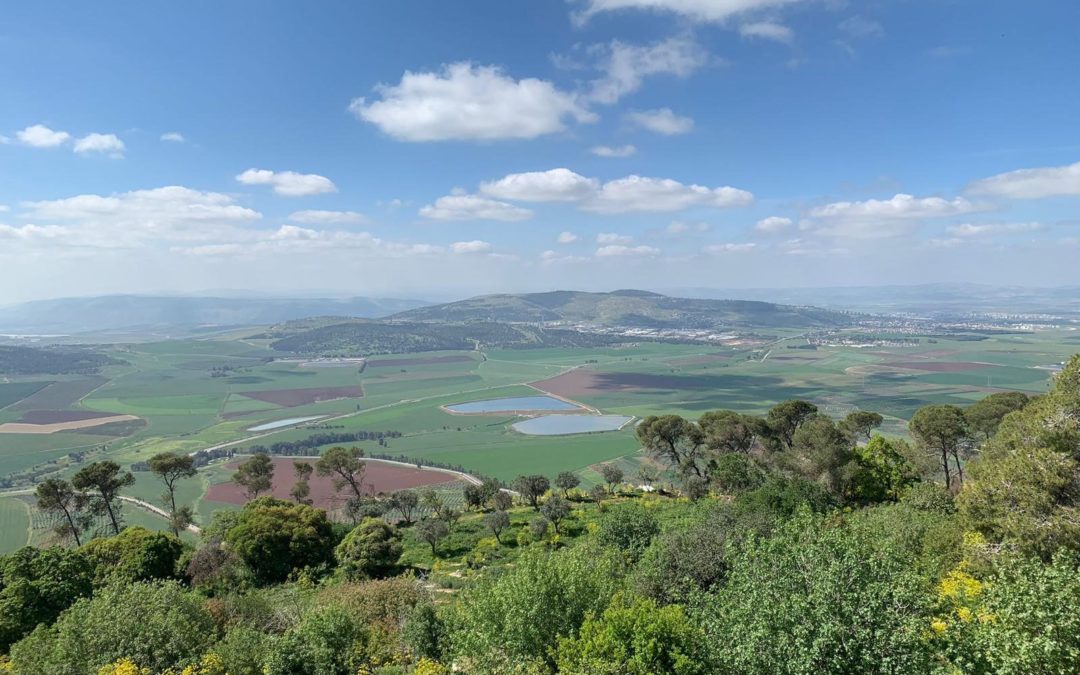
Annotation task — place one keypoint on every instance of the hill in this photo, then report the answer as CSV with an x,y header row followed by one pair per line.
x,y
127,312
627,308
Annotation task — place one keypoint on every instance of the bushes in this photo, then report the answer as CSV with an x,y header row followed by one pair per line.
x,y
36,585
371,550
628,528
275,537
136,554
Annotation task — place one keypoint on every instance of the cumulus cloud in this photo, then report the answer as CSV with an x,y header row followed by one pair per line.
x,y
626,66
468,102
566,238
41,136
173,137
715,11
613,238
773,224
661,121
288,183
320,217
1036,183
104,143
899,206
33,232
618,250
555,185
987,229
678,227
767,30
642,194
613,151
716,249
473,207
475,246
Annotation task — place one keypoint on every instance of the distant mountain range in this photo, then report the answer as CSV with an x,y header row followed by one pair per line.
x,y
625,308
125,313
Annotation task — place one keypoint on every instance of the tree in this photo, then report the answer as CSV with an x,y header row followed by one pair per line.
x,y
275,537
136,554
345,465
861,423
727,431
158,626
538,527
474,496
883,473
107,480
502,501
430,500
734,473
450,516
673,439
532,488
985,415
497,521
327,641
555,509
648,474
370,551
820,451
566,481
255,475
628,528
171,468
597,493
432,531
784,419
942,430
55,495
301,488
611,474
406,502
36,585
635,637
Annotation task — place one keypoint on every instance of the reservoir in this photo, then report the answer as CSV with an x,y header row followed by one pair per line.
x,y
270,426
557,425
518,404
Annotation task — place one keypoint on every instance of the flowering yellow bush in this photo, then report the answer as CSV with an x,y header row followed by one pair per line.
x,y
123,667
429,667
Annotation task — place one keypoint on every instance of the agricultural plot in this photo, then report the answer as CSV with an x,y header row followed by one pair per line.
x,y
14,524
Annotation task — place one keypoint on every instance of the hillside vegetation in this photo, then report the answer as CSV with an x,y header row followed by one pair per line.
x,y
627,308
16,360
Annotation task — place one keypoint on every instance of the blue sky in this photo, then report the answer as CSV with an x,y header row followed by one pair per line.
x,y
445,148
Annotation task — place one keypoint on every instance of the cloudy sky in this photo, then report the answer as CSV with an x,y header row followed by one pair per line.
x,y
439,148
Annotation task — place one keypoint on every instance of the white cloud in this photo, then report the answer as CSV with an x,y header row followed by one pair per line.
x,y
637,193
555,185
1037,183
41,136
566,238
717,11
616,250
317,217
767,30
475,246
716,249
974,230
679,227
661,121
108,143
172,213
773,224
473,207
899,206
861,27
613,238
613,151
469,102
173,137
33,232
626,66
288,183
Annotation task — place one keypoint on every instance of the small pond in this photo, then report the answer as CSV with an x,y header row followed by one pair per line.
x,y
519,404
556,425
269,426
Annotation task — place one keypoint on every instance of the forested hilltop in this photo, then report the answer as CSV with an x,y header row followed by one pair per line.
x,y
791,543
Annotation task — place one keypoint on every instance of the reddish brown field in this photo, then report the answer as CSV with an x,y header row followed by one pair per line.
x,y
937,366
422,361
290,398
379,477
578,383
61,416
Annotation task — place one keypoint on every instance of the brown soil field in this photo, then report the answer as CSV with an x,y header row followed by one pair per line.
x,y
423,361
22,428
936,366
58,416
60,394
290,398
378,477
578,383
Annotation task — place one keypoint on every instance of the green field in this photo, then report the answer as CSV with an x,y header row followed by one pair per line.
x,y
14,524
192,395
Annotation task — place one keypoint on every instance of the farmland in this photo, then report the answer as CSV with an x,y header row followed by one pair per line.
x,y
189,395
